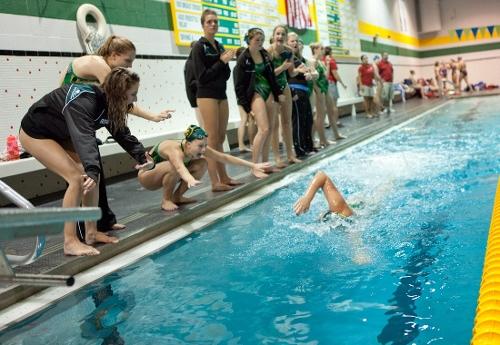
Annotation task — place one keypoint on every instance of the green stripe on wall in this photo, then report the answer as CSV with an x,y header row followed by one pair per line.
x,y
369,47
151,14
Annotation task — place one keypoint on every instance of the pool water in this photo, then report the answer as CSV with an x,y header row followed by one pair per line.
x,y
405,271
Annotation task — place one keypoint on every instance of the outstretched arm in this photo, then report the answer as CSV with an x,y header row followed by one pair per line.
x,y
148,115
257,168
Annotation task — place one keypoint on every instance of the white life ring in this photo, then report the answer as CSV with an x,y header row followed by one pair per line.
x,y
85,30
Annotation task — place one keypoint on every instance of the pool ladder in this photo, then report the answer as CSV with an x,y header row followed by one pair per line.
x,y
30,221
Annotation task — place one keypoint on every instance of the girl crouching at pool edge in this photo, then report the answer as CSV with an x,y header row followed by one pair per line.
x,y
186,162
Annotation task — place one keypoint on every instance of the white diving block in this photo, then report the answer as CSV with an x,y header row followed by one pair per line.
x,y
20,223
29,221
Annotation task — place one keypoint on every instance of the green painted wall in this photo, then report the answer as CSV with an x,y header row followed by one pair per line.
x,y
151,14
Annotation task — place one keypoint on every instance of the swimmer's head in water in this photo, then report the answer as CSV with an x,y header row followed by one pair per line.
x,y
194,132
328,215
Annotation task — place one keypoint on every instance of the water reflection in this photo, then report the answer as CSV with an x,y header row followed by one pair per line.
x,y
111,309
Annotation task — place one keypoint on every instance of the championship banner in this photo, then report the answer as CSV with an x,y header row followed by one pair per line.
x,y
297,14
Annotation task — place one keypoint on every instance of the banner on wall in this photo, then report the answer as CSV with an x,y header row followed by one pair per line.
x,y
236,17
477,32
297,14
187,27
338,22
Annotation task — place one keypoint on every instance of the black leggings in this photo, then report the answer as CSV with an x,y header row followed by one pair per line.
x,y
108,218
302,122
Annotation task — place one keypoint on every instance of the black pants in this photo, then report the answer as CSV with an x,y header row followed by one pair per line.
x,y
302,122
108,218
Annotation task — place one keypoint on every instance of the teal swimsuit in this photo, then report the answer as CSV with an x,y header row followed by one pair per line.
x,y
157,158
280,78
322,81
262,86
71,78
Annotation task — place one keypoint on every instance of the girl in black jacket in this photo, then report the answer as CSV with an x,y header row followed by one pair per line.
x,y
59,131
255,84
211,70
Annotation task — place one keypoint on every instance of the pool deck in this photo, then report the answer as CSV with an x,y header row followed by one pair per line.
x,y
145,220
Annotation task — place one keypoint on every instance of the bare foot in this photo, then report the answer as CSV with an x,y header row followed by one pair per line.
x,y
184,200
294,160
259,174
78,248
232,182
244,149
168,205
118,226
340,136
221,187
281,164
99,237
272,169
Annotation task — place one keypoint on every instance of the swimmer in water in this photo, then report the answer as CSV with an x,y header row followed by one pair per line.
x,y
336,205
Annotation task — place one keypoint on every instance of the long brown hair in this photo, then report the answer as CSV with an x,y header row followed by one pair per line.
x,y
115,44
115,86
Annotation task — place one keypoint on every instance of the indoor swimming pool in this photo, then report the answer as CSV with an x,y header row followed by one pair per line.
x,y
406,270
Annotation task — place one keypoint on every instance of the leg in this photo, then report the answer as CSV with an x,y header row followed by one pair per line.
x,y
296,126
221,168
262,121
56,159
366,102
286,125
199,118
209,109
275,133
108,219
270,106
92,236
319,121
165,176
241,129
333,116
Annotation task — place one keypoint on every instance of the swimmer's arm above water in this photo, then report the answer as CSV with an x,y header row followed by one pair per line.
x,y
336,202
303,203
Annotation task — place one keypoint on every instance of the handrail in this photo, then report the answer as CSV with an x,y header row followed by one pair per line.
x,y
18,200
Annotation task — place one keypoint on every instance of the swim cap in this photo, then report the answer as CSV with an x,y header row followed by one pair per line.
x,y
194,132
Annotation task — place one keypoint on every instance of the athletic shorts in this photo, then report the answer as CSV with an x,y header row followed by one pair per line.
x,y
333,91
367,91
387,91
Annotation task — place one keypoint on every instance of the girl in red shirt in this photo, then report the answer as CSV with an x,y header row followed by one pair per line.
x,y
366,75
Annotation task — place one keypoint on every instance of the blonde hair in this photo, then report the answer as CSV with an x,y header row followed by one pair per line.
x,y
271,50
315,46
115,86
115,44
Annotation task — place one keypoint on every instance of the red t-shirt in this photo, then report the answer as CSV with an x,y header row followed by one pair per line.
x,y
385,70
367,74
333,67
